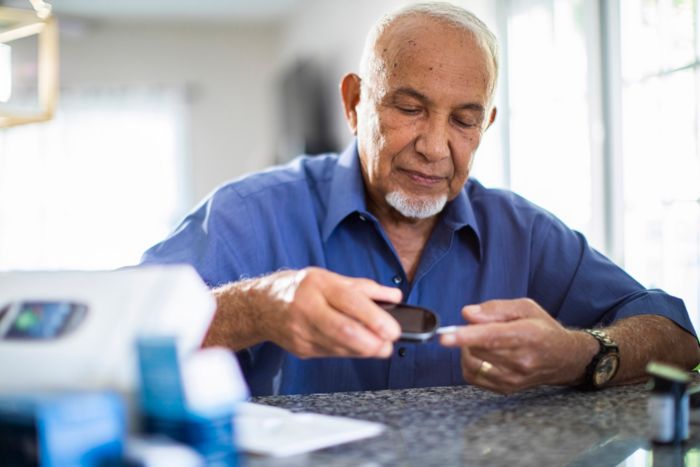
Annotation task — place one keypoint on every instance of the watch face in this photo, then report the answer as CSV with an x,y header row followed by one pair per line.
x,y
606,369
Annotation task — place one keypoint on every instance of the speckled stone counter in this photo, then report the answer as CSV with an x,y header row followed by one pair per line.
x,y
468,426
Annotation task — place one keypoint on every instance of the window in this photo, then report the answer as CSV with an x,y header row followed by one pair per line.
x,y
550,153
637,197
96,186
660,130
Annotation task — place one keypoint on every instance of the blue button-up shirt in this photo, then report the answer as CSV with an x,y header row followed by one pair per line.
x,y
488,244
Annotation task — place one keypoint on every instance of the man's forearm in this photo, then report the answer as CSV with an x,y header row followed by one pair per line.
x,y
236,321
650,337
310,313
245,310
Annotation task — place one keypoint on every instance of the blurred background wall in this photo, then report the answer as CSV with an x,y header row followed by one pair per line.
x,y
226,72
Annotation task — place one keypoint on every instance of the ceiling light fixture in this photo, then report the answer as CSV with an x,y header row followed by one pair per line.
x,y
28,64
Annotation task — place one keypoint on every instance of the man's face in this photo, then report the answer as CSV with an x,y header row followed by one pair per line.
x,y
420,119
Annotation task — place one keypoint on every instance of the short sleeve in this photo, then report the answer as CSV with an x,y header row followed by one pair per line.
x,y
582,288
216,239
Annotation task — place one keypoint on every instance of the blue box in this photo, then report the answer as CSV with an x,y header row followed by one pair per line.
x,y
62,429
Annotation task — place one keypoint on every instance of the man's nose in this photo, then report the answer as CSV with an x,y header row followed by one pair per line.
x,y
433,140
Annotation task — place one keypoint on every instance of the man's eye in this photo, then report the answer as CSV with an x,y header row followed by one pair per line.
x,y
464,123
408,110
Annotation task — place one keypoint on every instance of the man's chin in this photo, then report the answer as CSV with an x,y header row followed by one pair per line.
x,y
415,207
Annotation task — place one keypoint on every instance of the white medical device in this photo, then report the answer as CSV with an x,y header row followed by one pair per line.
x,y
77,330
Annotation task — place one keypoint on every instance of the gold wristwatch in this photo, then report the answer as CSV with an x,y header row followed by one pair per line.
x,y
605,363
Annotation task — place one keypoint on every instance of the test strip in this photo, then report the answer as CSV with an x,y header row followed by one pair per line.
x,y
446,329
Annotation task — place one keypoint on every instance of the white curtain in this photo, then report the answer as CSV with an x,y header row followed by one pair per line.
x,y
93,188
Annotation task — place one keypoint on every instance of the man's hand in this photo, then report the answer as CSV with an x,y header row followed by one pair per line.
x,y
311,313
511,345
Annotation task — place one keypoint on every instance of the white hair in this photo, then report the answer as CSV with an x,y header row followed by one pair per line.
x,y
415,208
371,66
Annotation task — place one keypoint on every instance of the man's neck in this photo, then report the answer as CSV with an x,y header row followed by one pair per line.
x,y
409,236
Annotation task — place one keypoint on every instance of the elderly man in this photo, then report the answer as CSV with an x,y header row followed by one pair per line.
x,y
299,254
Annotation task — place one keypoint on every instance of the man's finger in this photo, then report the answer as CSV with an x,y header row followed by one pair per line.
x,y
376,291
482,373
357,301
505,359
384,351
470,366
489,336
339,331
498,311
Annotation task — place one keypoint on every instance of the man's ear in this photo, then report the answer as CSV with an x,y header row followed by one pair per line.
x,y
492,117
350,93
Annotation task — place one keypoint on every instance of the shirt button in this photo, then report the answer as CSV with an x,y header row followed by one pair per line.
x,y
362,218
396,279
402,351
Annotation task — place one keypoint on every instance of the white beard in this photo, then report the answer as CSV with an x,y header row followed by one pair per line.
x,y
415,208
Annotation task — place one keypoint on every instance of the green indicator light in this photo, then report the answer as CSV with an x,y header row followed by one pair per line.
x,y
26,320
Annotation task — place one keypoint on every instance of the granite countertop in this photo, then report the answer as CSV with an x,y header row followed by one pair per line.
x,y
469,426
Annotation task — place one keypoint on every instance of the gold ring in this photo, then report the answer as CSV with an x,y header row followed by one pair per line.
x,y
484,368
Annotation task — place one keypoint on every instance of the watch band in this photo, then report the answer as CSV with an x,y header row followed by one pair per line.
x,y
597,374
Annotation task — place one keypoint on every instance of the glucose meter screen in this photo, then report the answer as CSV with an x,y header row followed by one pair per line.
x,y
43,320
411,320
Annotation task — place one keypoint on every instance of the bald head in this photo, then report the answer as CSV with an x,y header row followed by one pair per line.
x,y
394,33
420,107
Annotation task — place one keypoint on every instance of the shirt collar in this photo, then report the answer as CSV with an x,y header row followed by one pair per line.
x,y
347,196
459,215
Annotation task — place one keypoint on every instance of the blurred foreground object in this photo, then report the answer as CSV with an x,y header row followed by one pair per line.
x,y
78,330
67,429
668,404
68,356
192,400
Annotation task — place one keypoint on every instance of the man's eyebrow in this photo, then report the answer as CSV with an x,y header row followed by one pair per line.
x,y
410,92
472,106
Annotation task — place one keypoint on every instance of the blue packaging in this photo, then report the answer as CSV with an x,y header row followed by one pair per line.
x,y
62,429
165,411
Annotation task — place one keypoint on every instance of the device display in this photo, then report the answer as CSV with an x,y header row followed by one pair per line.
x,y
37,320
417,324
